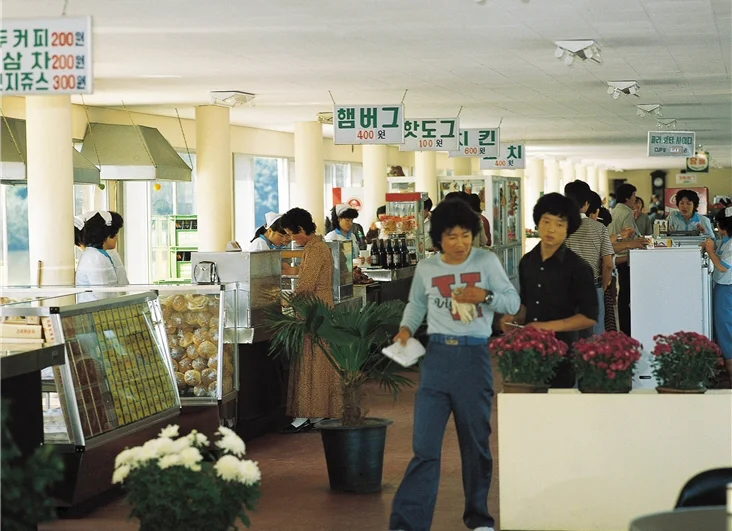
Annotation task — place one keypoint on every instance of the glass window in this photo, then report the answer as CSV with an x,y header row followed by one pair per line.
x,y
266,188
185,192
17,265
162,198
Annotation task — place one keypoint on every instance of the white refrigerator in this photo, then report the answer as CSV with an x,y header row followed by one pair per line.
x,y
670,291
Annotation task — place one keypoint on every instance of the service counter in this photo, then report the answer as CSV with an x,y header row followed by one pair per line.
x,y
394,283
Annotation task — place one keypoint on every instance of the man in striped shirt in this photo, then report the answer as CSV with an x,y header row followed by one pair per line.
x,y
592,243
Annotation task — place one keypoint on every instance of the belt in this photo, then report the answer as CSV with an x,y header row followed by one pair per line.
x,y
454,341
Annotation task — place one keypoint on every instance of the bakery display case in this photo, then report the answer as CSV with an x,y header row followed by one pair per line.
x,y
404,220
115,389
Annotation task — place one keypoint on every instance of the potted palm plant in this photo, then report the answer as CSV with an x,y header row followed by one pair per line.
x,y
352,342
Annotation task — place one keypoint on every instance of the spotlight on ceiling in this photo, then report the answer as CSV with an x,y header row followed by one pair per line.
x,y
325,117
582,50
646,109
616,88
230,98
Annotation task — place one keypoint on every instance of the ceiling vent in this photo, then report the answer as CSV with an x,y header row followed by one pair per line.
x,y
230,98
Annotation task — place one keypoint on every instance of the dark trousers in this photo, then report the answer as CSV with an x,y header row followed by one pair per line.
x,y
624,298
457,380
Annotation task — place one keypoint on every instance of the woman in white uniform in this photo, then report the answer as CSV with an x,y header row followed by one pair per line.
x,y
99,264
270,236
342,217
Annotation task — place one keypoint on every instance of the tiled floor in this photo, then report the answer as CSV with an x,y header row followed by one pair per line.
x,y
295,483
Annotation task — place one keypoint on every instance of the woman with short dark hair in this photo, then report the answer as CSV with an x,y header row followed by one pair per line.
x,y
342,217
686,218
99,264
314,386
270,236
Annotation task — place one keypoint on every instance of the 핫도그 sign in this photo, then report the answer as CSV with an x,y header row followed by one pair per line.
x,y
46,56
430,134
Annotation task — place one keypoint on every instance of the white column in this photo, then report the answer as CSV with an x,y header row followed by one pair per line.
x,y
603,186
50,172
580,172
533,186
375,184
214,188
425,173
310,171
568,175
593,178
552,176
462,165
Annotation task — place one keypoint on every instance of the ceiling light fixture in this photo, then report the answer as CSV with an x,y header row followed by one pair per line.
x,y
646,109
582,50
616,88
230,98
325,117
669,124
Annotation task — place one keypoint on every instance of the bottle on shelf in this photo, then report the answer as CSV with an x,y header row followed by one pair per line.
x,y
389,255
397,261
375,259
382,255
405,253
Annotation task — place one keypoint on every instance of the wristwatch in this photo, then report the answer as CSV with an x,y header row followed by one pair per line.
x,y
488,297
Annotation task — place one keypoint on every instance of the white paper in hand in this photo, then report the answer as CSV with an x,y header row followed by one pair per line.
x,y
405,355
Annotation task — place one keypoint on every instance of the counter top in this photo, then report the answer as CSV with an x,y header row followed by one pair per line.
x,y
17,362
389,275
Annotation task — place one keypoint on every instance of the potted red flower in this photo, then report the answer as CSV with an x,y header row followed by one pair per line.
x,y
685,362
528,359
605,363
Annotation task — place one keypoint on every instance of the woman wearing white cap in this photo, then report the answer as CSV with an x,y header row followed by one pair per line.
x,y
270,236
99,264
342,217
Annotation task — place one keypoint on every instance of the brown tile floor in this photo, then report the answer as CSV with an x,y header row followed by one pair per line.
x,y
295,482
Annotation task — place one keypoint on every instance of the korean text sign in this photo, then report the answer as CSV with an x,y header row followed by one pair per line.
x,y
430,134
671,143
513,157
46,56
368,124
478,143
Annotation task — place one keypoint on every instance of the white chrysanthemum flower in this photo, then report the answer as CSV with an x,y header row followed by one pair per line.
x,y
227,468
170,460
121,474
170,431
165,446
224,431
232,444
249,472
197,439
179,445
190,457
147,453
123,458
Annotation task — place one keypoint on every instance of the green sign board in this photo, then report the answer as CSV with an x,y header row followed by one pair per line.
x,y
671,143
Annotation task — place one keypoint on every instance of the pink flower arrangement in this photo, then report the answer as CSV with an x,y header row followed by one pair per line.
x,y
685,360
528,355
606,362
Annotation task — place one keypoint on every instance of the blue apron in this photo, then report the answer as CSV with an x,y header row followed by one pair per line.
x,y
723,316
349,238
271,245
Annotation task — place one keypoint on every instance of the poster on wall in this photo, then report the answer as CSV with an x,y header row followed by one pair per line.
x,y
670,199
353,197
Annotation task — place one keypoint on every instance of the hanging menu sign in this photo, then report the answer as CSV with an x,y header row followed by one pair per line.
x,y
430,134
478,143
671,143
698,163
512,158
46,56
368,124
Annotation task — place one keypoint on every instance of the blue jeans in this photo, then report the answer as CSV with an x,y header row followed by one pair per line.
x,y
458,380
599,328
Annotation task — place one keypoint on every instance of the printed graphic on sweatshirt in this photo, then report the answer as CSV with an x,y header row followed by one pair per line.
x,y
445,284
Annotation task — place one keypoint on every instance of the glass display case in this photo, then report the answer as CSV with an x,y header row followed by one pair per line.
x,y
468,184
405,220
507,222
117,372
342,269
200,326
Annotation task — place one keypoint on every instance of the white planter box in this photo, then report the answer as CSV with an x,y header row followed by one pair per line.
x,y
594,462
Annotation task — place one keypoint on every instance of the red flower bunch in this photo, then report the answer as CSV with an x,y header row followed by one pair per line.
x,y
606,362
528,355
685,360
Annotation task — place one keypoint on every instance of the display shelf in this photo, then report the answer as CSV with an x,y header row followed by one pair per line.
x,y
405,220
173,240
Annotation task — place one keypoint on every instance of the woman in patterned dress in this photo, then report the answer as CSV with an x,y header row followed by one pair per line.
x,y
314,387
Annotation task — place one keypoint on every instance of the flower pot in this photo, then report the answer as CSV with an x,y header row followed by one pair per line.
x,y
354,455
672,391
511,387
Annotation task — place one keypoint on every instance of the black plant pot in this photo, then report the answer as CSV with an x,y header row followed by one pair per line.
x,y
355,455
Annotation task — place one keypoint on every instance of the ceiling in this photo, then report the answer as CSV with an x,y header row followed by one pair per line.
x,y
493,58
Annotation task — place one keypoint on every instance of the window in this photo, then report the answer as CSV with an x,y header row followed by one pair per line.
x,y
341,175
15,248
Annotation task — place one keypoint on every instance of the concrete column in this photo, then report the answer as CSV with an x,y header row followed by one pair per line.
x,y
462,165
552,176
214,188
533,185
593,178
50,172
580,172
425,173
568,174
309,191
603,186
375,185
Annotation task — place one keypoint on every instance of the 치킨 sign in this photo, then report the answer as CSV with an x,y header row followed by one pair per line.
x,y
478,143
368,124
46,56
